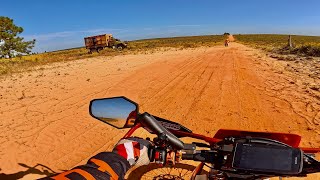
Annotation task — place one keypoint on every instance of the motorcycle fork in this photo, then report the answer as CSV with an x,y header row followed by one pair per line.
x,y
197,171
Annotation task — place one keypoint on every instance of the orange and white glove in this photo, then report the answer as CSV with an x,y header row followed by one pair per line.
x,y
135,150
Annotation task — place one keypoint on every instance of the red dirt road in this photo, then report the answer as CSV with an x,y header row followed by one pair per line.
x,y
45,119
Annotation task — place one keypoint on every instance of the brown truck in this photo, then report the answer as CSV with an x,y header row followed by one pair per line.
x,y
97,43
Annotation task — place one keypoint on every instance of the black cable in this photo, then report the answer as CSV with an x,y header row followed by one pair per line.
x,y
208,166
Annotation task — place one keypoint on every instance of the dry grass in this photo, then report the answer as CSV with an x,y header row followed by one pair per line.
x,y
303,45
25,63
178,42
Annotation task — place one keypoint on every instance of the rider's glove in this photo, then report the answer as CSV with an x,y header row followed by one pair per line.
x,y
135,150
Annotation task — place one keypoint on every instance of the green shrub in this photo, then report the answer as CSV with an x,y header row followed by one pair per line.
x,y
308,50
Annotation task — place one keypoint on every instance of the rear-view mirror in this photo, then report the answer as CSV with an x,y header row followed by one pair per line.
x,y
119,112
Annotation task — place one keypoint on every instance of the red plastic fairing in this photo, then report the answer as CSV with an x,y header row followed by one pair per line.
x,y
290,139
310,150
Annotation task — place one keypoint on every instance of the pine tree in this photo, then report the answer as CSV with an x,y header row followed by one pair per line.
x,y
10,43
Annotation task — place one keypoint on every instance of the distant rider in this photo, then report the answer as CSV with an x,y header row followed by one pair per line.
x,y
110,165
226,43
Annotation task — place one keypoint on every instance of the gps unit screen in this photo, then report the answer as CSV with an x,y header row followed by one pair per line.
x,y
263,158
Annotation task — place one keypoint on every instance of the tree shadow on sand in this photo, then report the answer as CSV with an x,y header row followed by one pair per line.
x,y
31,170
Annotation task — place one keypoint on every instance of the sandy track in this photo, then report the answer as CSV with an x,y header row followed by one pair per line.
x,y
45,120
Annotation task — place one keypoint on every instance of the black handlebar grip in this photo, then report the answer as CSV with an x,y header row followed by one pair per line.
x,y
187,157
202,155
149,122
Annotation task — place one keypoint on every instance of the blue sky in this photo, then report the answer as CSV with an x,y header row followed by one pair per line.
x,y
59,24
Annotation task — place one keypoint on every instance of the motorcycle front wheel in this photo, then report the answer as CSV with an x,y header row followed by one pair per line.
x,y
155,172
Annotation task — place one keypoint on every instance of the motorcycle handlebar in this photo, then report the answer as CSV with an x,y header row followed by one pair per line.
x,y
187,156
149,122
203,156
